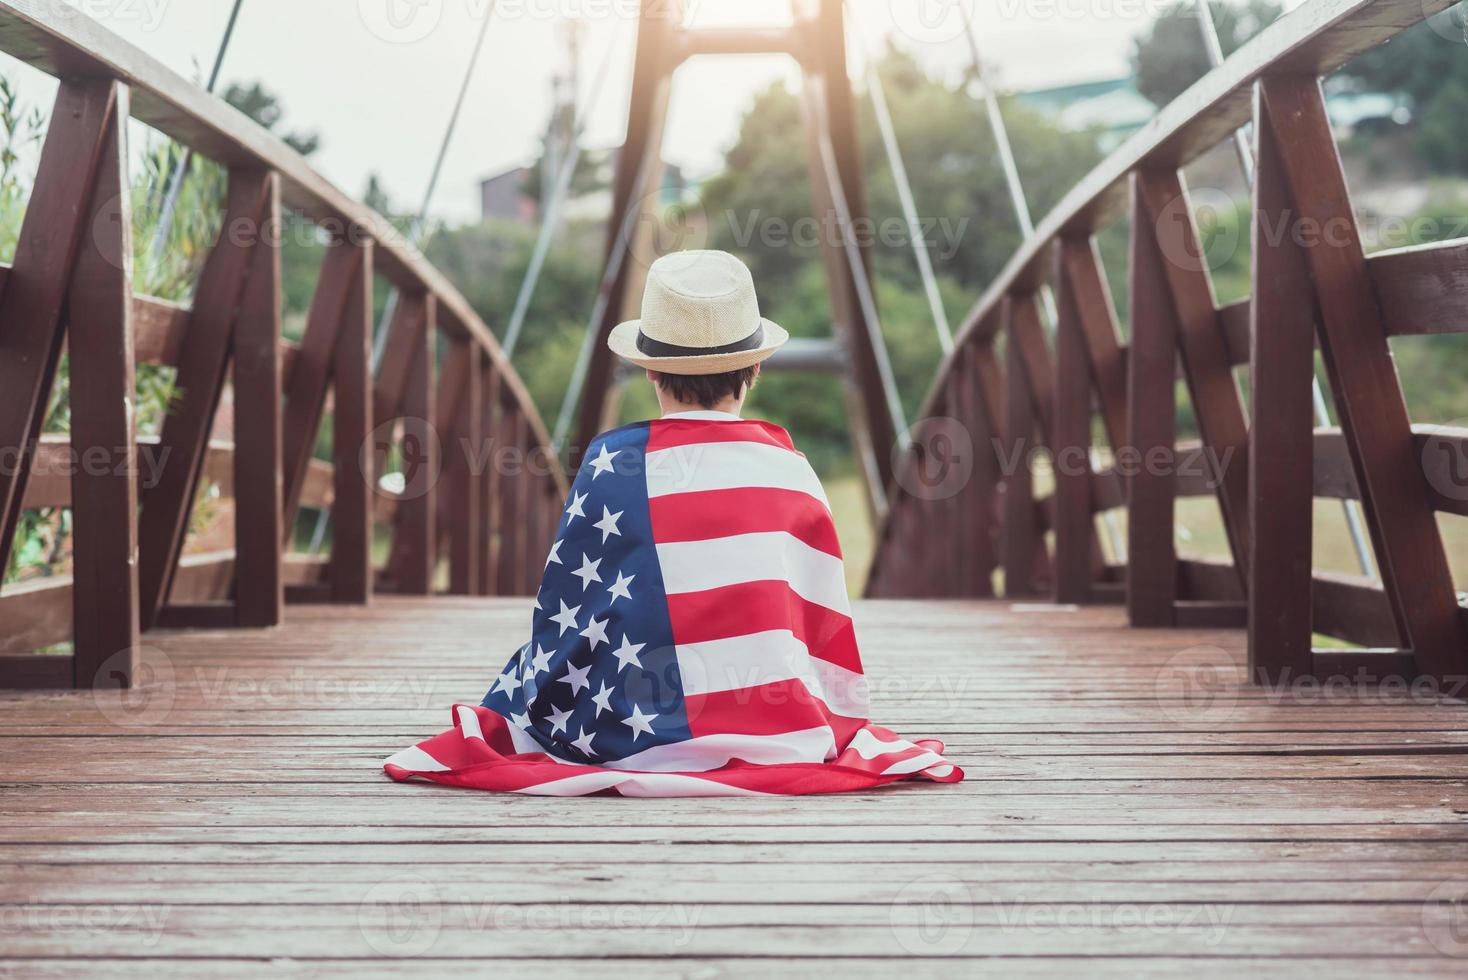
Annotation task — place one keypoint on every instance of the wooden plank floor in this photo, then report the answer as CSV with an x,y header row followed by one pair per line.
x,y
1130,809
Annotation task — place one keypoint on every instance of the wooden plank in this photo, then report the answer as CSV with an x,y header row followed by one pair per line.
x,y
306,383
1368,394
35,290
258,521
166,506
487,483
513,554
351,428
1217,402
1152,574
1083,275
104,500
1070,440
460,400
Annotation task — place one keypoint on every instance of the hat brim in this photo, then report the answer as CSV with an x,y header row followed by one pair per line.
x,y
623,343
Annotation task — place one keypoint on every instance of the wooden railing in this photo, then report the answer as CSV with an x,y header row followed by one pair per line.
x,y
1264,464
69,288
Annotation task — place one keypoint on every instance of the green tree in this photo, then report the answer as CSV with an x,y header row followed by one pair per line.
x,y
1430,68
1170,56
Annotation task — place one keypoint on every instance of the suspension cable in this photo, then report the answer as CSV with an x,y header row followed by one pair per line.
x,y
550,219
175,183
1354,524
904,187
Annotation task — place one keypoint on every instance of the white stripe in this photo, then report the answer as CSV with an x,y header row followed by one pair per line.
x,y
705,416
730,466
917,764
415,759
868,746
765,658
469,723
641,784
694,566
705,752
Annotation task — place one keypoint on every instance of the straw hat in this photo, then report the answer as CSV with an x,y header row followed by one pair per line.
x,y
699,316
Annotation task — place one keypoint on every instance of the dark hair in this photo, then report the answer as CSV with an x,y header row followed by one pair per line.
x,y
705,389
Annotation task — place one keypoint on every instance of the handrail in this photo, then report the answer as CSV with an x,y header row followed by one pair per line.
x,y
62,41
1265,474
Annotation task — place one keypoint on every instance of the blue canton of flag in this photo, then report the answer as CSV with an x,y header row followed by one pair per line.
x,y
599,679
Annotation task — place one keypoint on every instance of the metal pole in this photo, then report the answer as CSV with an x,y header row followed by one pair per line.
x,y
176,179
1026,224
1214,49
904,188
415,229
552,215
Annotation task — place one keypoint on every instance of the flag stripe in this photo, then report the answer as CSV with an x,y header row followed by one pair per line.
x,y
696,566
700,515
757,607
758,659
671,433
729,465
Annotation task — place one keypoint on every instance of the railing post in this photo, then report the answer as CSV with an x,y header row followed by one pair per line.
x,y
488,485
1071,447
461,409
351,427
104,499
1021,539
1152,583
259,583
415,543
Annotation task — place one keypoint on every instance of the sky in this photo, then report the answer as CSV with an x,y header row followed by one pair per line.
x,y
377,78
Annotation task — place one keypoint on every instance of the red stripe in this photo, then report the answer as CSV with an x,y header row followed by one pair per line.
x,y
744,510
757,607
668,433
766,709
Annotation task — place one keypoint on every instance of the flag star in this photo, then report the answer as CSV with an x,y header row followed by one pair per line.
x,y
574,510
603,700
541,661
558,720
608,524
576,677
587,571
508,682
602,463
554,555
618,589
627,653
584,742
566,617
638,722
520,721
596,632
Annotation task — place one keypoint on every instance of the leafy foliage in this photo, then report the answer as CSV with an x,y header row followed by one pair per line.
x,y
1170,56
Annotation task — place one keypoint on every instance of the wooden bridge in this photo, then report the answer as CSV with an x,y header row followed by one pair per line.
x,y
1164,772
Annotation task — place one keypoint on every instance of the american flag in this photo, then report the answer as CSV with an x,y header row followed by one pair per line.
x,y
691,636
